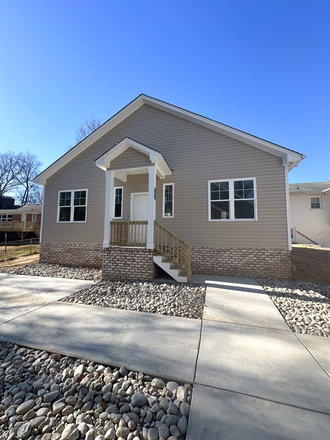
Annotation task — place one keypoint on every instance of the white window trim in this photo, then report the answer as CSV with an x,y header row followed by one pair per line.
x,y
310,203
232,200
35,216
71,206
168,216
114,202
6,219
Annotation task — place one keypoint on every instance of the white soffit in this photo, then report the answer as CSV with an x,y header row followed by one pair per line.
x,y
288,156
162,168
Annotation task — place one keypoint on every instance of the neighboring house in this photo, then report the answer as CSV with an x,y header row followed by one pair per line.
x,y
7,202
20,222
310,213
157,179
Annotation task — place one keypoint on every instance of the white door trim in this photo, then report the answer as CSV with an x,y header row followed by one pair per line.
x,y
132,197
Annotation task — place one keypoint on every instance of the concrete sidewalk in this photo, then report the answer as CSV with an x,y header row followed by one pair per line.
x,y
253,378
155,344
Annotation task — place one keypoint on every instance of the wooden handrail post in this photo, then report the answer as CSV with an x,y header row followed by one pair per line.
x,y
188,264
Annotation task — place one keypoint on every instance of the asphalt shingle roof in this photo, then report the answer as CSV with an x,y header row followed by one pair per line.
x,y
311,187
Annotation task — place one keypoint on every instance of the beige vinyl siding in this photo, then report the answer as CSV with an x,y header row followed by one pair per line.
x,y
196,155
131,158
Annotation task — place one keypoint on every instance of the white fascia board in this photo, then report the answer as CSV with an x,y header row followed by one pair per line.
x,y
39,180
162,168
290,160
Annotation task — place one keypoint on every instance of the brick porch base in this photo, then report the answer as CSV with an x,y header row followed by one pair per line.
x,y
128,263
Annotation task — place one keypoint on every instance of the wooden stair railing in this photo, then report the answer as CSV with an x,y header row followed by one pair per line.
x,y
36,229
298,232
173,248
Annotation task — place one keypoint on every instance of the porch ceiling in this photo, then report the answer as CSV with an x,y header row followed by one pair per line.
x,y
104,162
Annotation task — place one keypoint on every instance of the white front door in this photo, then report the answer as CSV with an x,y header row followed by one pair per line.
x,y
139,206
139,212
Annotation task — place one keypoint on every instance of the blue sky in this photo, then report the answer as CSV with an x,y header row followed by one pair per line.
x,y
261,66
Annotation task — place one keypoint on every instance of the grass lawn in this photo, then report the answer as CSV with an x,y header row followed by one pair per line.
x,y
14,252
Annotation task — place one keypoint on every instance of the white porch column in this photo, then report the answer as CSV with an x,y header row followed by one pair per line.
x,y
151,207
108,206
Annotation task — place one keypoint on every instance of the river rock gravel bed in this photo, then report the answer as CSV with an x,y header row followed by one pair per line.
x,y
184,300
304,306
56,271
47,396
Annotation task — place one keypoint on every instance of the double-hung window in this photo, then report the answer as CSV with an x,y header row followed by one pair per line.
x,y
232,199
72,206
168,200
118,205
315,203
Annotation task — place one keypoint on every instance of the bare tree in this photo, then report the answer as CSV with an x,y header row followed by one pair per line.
x,y
27,191
87,128
10,168
34,196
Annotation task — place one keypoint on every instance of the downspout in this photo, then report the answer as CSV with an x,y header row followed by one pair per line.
x,y
287,197
42,212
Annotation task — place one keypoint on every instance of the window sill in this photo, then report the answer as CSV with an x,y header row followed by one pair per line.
x,y
234,220
71,222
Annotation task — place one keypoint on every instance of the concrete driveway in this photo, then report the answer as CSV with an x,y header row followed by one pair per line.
x,y
253,378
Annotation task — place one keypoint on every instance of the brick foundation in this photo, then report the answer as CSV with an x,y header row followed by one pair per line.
x,y
128,263
250,263
72,254
135,263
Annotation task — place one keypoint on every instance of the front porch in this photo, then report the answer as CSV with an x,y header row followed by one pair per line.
x,y
130,214
169,252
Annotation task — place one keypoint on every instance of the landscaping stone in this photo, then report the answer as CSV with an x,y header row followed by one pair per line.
x,y
304,306
61,398
56,271
184,300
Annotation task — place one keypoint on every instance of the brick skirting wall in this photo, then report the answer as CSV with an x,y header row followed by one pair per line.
x,y
250,263
128,263
135,263
72,254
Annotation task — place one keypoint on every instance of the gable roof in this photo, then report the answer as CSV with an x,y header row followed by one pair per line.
x,y
162,167
311,187
290,157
